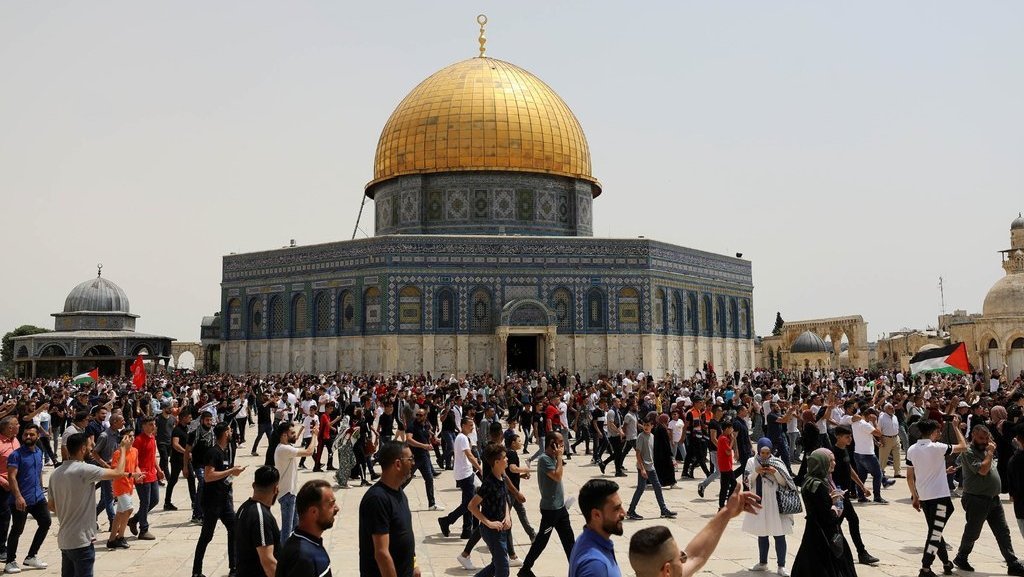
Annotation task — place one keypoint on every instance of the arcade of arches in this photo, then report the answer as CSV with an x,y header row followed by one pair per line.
x,y
850,331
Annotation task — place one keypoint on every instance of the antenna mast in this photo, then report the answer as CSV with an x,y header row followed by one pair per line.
x,y
942,297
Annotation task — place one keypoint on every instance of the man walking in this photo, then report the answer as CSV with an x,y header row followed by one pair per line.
x,y
980,500
465,465
645,471
553,512
286,458
72,496
304,555
165,422
929,489
387,545
890,447
217,502
149,489
258,539
418,437
8,444
101,454
25,475
613,434
200,441
845,477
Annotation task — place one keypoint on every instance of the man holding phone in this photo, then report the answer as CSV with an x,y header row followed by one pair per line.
x,y
218,501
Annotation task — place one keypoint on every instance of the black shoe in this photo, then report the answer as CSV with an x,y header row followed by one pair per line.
x,y
962,563
947,568
318,470
863,500
881,501
445,529
898,477
111,544
133,525
1015,569
330,468
374,476
865,558
700,491
253,453
364,483
198,575
621,474
632,516
666,514
196,521
526,573
170,507
926,573
465,535
601,465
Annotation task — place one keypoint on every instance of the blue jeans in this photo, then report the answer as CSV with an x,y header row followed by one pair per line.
x,y
77,562
495,540
780,550
869,464
106,500
149,496
288,517
641,486
466,485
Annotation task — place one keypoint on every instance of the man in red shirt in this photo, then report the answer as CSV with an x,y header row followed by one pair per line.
x,y
8,444
149,488
723,457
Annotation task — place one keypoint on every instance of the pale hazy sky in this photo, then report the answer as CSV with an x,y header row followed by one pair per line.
x,y
854,152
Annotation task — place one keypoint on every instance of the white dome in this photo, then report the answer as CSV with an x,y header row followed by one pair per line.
x,y
1006,297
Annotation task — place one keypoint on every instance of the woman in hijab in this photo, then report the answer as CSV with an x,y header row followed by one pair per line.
x,y
765,473
663,453
823,503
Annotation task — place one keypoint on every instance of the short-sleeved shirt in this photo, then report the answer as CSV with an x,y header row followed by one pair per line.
x,y
385,511
255,526
303,555
974,482
125,485
513,459
73,489
217,491
107,444
645,449
863,441
286,461
552,497
420,433
463,467
593,556
929,462
147,456
723,456
494,495
30,479
180,433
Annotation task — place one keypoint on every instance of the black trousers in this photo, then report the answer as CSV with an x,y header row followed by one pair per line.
x,y
423,466
177,466
164,450
224,512
853,521
979,510
551,520
727,483
616,453
936,513
696,455
41,514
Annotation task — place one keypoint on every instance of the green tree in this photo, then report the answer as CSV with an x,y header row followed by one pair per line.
x,y
778,324
7,346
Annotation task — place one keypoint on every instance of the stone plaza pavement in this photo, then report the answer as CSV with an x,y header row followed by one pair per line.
x,y
894,533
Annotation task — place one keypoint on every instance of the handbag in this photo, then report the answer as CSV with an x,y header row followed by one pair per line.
x,y
789,501
835,543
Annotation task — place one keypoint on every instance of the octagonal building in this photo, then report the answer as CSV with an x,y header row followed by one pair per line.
x,y
484,259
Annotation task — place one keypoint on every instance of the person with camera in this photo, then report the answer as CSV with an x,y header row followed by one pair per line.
x,y
286,458
929,488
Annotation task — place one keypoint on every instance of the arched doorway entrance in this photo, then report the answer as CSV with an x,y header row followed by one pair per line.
x,y
526,336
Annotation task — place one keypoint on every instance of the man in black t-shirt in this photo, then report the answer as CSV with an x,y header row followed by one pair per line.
x,y
264,420
178,450
385,521
845,477
258,537
217,501
419,439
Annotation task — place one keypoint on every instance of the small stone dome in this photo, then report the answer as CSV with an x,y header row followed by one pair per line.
x,y
1006,297
1018,223
96,295
808,342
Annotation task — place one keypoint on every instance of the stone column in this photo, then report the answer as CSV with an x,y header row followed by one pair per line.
x,y
502,340
550,337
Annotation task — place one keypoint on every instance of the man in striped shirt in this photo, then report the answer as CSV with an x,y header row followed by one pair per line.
x,y
257,537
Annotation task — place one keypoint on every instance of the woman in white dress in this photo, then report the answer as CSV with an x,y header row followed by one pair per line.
x,y
764,474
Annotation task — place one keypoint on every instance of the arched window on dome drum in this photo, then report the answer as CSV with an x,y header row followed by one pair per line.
x,y
1017,344
595,309
410,309
257,318
300,320
347,312
721,314
672,315
371,310
708,316
658,313
693,313
234,315
561,303
745,319
277,326
734,318
445,302
480,312
322,312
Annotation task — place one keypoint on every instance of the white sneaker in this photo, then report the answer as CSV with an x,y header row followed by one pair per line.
x,y
782,572
760,567
35,562
569,503
515,562
466,562
12,567
436,507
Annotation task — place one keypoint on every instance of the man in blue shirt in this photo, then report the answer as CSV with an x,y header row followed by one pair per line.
x,y
593,555
25,475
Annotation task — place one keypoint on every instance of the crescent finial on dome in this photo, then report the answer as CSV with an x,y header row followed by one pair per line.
x,y
481,19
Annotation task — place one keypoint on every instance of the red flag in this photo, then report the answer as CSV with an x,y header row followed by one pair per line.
x,y
138,373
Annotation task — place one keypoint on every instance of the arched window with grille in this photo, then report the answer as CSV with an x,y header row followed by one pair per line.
x,y
721,312
480,312
445,315
322,312
734,318
708,316
745,320
257,318
371,309
300,319
596,311
278,328
658,313
347,311
234,315
692,313
410,309
561,303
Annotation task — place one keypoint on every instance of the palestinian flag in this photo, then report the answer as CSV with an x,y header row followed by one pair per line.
x,y
90,377
951,360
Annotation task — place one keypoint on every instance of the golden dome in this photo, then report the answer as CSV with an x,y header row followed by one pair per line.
x,y
482,114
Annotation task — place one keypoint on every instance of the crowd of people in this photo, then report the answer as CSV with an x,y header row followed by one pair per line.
x,y
779,444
